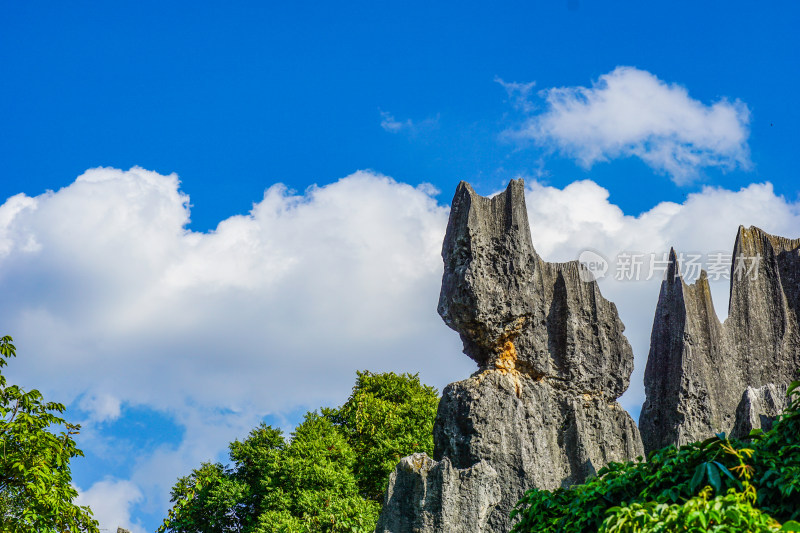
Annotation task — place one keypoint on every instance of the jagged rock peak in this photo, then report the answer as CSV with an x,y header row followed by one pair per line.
x,y
483,298
518,313
541,411
698,368
676,409
765,304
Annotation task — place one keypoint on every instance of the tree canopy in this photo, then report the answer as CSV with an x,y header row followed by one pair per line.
x,y
387,417
329,477
36,492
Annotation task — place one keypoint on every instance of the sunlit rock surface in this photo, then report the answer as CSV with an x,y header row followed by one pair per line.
x,y
541,410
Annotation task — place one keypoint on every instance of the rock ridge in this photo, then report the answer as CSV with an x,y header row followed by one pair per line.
x,y
699,368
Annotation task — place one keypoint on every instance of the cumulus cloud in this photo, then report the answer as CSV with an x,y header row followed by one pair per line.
x,y
117,303
113,302
111,501
307,286
631,113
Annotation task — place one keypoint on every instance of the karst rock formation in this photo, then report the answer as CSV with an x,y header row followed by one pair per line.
x,y
541,411
703,376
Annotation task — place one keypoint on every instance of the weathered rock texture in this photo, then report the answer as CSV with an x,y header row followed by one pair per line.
x,y
698,368
541,411
426,495
759,408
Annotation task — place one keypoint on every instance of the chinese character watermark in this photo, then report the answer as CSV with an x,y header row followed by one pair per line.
x,y
639,266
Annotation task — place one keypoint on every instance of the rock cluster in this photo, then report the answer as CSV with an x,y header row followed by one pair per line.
x,y
704,377
541,411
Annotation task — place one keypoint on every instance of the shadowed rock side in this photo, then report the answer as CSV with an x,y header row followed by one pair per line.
x,y
698,368
687,374
541,411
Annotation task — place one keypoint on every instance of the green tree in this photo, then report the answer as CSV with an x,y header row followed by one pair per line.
x,y
387,417
206,501
36,492
329,477
303,487
314,489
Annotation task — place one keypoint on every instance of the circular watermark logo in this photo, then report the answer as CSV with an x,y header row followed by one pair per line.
x,y
595,265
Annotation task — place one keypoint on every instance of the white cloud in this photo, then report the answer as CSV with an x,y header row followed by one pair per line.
x,y
309,286
630,112
392,125
111,501
112,300
102,407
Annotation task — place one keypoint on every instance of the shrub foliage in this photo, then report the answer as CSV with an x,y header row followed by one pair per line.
x,y
720,484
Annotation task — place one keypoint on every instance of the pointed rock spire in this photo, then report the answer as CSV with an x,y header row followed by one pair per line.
x,y
482,298
698,368
503,299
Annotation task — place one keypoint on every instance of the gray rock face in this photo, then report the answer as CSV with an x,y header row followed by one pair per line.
x,y
698,368
759,408
541,411
425,495
532,434
499,295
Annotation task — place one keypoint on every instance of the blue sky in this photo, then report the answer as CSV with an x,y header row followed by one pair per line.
x,y
178,295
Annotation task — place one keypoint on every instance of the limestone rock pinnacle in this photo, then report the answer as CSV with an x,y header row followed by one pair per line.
x,y
698,368
496,290
541,410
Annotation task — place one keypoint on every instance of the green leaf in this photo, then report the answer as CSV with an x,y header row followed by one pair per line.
x,y
713,476
709,441
703,519
724,470
697,478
